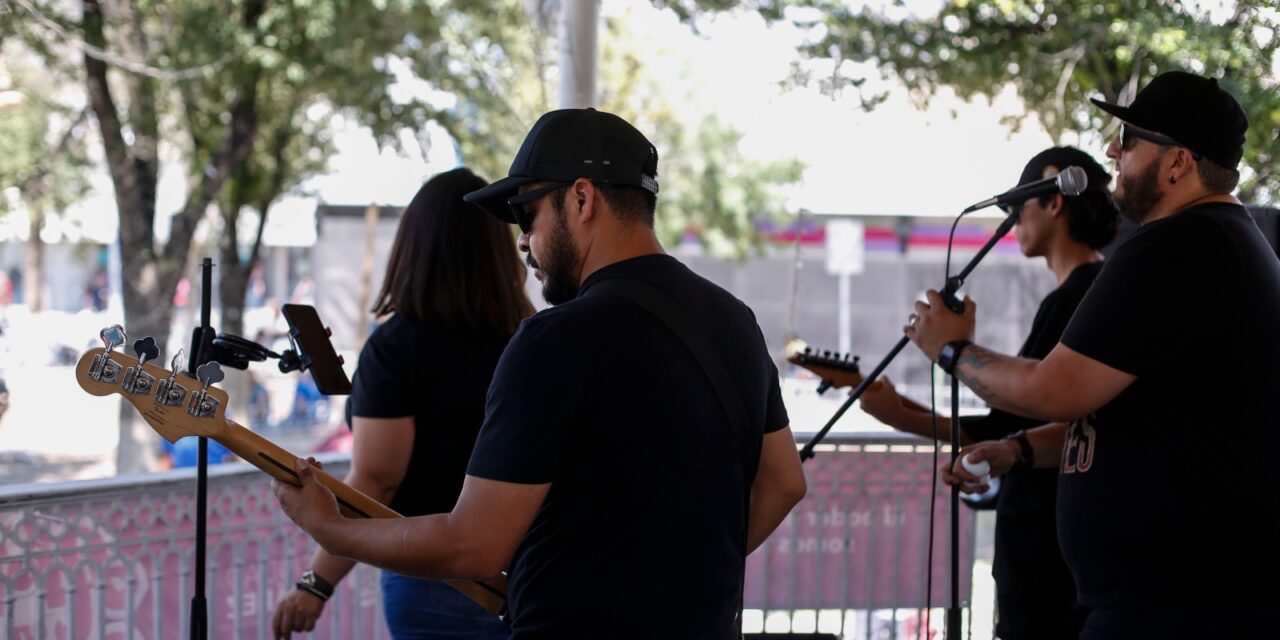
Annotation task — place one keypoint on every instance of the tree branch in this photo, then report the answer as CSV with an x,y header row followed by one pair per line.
x,y
235,149
104,106
137,221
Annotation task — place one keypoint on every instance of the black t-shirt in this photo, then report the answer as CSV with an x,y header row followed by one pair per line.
x,y
1034,589
1168,498
439,377
642,533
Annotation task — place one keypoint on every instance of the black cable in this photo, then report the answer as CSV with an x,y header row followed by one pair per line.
x,y
933,501
937,445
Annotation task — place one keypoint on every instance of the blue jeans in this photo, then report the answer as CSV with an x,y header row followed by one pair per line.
x,y
419,609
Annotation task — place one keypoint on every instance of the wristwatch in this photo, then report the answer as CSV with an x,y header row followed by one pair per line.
x,y
315,585
1026,454
950,353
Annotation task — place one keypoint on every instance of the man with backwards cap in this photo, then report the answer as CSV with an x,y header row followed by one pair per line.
x,y
1168,510
609,478
1035,595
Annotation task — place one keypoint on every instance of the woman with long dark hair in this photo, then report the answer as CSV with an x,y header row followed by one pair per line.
x,y
452,296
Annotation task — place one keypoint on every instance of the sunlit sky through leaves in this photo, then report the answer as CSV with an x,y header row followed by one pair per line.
x,y
896,159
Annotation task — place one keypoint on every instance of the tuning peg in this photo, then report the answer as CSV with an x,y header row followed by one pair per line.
x,y
202,404
169,392
808,350
824,385
178,362
103,369
112,337
210,373
145,349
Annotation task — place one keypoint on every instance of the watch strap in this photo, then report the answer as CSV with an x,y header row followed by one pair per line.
x,y
312,583
1026,454
950,354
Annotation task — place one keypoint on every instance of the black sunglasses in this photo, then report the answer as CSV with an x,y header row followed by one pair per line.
x,y
1012,209
1127,134
523,219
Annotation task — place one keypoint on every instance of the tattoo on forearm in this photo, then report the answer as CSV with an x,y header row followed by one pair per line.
x,y
975,358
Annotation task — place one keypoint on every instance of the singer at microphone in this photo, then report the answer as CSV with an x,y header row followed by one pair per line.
x,y
1168,497
1034,590
1070,182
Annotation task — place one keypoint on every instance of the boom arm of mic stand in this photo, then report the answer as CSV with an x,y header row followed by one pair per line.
x,y
807,452
948,295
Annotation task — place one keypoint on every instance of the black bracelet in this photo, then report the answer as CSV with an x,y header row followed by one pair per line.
x,y
312,590
313,584
1026,454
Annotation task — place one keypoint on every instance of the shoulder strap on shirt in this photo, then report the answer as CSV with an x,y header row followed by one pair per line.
x,y
666,309
670,313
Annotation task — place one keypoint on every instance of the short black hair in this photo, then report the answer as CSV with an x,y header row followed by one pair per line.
x,y
631,204
1215,177
1092,217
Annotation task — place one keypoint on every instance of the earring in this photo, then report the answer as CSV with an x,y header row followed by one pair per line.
x,y
1172,180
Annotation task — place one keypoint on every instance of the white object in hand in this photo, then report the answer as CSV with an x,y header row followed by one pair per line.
x,y
980,468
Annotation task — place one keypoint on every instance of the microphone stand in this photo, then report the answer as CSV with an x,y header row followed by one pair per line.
x,y
200,355
956,305
207,345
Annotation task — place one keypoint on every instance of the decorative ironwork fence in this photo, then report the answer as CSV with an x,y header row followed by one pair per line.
x,y
113,559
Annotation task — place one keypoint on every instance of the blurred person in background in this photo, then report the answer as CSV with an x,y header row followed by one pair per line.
x,y
4,397
452,297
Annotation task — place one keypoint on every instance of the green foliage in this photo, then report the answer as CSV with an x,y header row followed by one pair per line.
x,y
503,71
492,65
689,10
307,61
42,151
708,187
1058,53
497,63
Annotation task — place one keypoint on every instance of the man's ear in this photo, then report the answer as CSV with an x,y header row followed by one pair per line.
x,y
1056,205
584,193
1183,165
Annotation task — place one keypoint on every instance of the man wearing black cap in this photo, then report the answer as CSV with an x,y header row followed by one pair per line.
x,y
1168,511
631,455
1035,595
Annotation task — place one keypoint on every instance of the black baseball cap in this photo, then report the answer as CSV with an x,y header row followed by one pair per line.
x,y
568,144
1191,109
1054,160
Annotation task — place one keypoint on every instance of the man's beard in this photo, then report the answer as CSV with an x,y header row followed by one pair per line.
x,y
559,285
1141,193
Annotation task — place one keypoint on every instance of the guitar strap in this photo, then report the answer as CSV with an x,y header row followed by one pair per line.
x,y
665,309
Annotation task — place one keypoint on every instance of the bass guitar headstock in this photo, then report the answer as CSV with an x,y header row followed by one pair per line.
x,y
834,369
174,404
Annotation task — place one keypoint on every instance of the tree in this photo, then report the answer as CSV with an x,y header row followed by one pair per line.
x,y
314,61
1057,54
231,87
205,79
708,187
42,156
504,70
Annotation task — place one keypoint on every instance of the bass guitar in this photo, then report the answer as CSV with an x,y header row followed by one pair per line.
x,y
176,406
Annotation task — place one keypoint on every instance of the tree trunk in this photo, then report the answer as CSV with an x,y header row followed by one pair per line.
x,y
151,273
148,311
232,286
33,270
